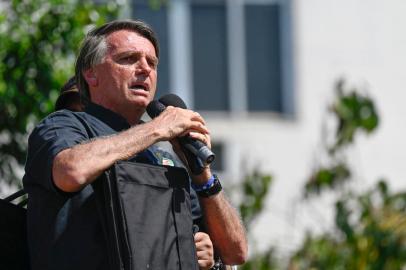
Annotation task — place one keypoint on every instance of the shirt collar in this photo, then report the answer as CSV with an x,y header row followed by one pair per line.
x,y
115,121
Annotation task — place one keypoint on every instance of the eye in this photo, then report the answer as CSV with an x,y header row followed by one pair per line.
x,y
153,63
129,59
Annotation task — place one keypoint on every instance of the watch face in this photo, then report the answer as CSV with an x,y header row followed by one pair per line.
x,y
213,190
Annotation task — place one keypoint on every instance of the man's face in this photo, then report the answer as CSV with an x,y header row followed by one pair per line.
x,y
125,82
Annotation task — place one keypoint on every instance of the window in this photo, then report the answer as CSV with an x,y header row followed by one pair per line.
x,y
209,49
263,58
226,55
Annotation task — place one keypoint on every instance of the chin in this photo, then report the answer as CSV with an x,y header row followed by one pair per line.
x,y
141,103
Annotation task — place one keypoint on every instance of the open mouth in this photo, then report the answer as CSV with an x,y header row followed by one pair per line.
x,y
139,87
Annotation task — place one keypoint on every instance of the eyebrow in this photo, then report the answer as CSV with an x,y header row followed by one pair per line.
x,y
136,53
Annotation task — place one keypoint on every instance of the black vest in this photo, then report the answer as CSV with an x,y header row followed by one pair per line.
x,y
146,217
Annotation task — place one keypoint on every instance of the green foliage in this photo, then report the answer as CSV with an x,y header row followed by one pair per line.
x,y
326,178
370,228
255,189
39,40
265,261
319,252
354,113
370,234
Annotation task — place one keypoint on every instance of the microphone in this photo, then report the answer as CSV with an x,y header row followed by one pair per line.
x,y
197,153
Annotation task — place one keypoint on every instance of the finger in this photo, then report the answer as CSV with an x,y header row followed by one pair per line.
x,y
204,255
205,264
200,127
194,127
203,243
196,116
204,138
202,247
201,236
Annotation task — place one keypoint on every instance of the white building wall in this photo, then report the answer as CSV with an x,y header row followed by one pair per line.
x,y
362,41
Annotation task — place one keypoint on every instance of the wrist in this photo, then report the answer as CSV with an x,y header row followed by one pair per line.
x,y
210,188
202,178
208,184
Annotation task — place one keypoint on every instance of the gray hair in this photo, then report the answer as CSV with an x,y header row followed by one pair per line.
x,y
94,48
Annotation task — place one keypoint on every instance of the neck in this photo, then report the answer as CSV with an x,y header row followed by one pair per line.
x,y
134,118
131,114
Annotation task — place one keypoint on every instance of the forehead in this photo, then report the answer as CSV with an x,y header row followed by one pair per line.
x,y
127,40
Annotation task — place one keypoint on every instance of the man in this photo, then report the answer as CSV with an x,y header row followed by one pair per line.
x,y
116,72
69,99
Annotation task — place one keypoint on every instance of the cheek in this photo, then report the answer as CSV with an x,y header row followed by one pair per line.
x,y
117,72
122,73
153,76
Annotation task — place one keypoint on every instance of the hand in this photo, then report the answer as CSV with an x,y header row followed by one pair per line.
x,y
199,175
204,249
177,122
204,137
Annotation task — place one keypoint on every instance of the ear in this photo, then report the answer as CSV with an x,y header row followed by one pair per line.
x,y
91,77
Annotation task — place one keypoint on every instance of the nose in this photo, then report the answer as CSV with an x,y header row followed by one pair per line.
x,y
143,66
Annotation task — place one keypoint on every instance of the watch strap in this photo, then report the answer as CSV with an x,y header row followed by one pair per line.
x,y
210,190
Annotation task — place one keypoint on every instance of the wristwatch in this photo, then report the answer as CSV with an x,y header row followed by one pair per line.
x,y
210,190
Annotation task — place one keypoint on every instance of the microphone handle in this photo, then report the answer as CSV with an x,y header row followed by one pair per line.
x,y
196,166
199,149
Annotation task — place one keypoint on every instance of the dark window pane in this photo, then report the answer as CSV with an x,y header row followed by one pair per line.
x,y
210,79
263,58
157,19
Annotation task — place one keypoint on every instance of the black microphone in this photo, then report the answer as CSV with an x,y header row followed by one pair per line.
x,y
203,155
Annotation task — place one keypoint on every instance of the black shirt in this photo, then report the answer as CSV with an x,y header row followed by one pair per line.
x,y
64,231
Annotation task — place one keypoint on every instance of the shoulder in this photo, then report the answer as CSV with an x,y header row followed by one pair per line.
x,y
62,117
56,124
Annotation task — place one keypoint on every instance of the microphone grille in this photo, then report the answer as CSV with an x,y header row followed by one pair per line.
x,y
173,100
154,108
